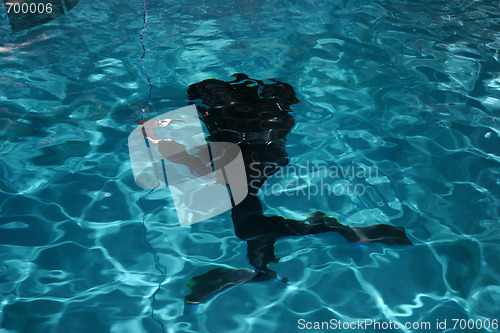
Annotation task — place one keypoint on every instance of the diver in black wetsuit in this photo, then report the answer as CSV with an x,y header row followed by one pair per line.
x,y
256,116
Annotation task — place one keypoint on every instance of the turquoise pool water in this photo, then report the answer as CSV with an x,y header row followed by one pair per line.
x,y
409,87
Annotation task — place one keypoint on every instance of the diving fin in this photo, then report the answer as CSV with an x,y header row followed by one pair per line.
x,y
382,233
378,233
214,281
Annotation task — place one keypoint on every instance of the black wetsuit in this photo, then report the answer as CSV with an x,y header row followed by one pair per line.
x,y
256,116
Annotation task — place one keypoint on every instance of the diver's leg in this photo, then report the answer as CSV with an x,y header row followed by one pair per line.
x,y
261,254
248,220
319,222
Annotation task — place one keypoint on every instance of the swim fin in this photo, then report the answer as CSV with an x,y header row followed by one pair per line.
x,y
380,233
214,281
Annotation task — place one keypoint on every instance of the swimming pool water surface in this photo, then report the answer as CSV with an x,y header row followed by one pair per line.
x,y
411,88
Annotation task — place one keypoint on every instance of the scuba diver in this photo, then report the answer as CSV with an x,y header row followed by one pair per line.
x,y
255,116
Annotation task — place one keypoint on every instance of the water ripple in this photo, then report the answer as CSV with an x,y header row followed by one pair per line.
x,y
411,89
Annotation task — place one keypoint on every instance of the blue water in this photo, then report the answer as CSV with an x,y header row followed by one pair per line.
x,y
409,87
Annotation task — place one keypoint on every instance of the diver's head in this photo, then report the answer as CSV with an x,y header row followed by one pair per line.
x,y
281,90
